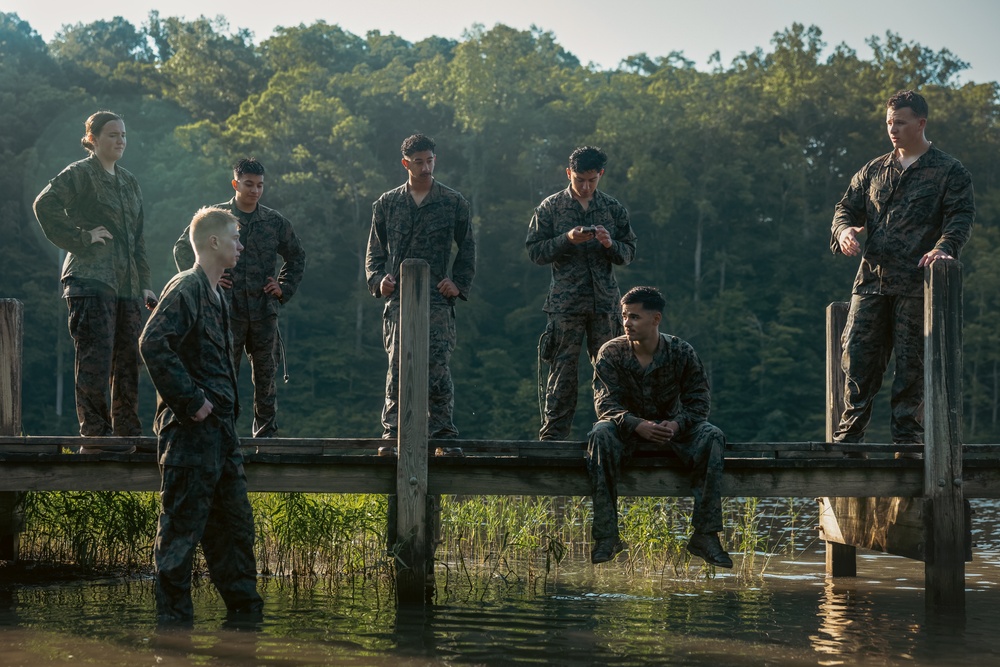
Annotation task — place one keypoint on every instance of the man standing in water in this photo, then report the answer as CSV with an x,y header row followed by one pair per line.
x,y
421,219
253,291
188,351
651,390
917,205
583,233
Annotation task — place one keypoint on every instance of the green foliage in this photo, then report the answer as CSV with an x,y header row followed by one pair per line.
x,y
730,175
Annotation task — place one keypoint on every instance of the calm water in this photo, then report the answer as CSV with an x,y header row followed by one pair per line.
x,y
791,615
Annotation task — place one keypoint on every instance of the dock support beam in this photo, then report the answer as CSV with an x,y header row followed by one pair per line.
x,y
944,528
11,346
841,559
414,573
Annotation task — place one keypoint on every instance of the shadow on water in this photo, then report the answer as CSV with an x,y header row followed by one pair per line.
x,y
789,615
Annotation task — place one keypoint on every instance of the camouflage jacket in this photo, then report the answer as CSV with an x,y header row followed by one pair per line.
x,y
673,387
402,230
84,196
583,276
906,214
267,235
187,347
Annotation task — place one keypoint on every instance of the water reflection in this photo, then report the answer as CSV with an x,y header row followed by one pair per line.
x,y
790,615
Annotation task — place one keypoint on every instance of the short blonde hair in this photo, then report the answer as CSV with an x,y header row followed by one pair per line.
x,y
208,222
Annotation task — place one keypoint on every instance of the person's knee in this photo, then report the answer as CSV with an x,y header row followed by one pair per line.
x,y
602,438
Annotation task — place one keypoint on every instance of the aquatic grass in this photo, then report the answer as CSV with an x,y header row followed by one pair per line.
x,y
110,529
487,543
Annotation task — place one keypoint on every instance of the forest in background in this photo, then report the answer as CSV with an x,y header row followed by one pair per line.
x,y
730,175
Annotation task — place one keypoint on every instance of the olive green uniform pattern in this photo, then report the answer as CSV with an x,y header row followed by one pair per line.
x,y
583,297
441,391
561,347
402,230
673,387
876,325
105,331
260,340
266,236
906,214
187,348
103,284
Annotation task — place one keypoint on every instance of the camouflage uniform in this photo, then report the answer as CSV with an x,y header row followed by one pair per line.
x,y
102,285
255,313
674,388
906,214
583,295
203,489
402,230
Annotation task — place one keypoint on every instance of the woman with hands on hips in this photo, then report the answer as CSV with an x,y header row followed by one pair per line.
x,y
93,210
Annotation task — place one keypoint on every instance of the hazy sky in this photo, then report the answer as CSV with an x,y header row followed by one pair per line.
x,y
602,32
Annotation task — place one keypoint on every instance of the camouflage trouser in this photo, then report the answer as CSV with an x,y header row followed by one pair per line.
x,y
440,390
878,325
206,504
701,450
105,331
561,347
260,339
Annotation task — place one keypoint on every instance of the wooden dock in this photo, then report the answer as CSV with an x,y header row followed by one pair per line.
x,y
949,473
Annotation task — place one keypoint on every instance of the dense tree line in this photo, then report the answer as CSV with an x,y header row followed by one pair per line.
x,y
730,175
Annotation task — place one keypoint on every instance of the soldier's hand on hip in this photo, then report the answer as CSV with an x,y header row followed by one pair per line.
x,y
99,234
226,281
273,288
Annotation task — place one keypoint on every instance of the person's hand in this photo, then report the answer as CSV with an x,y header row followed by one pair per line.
x,y
849,241
272,287
226,281
659,433
387,286
580,234
603,236
933,256
149,298
447,288
99,234
203,412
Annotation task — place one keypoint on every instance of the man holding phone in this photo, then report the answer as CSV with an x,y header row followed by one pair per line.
x,y
583,233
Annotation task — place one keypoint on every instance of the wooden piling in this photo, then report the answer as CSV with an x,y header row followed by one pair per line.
x,y
841,559
11,342
944,509
413,574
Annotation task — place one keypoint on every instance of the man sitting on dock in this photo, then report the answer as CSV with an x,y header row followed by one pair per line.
x,y
650,390
187,346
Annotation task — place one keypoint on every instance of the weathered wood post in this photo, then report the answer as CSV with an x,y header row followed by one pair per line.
x,y
841,559
11,348
411,468
944,504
